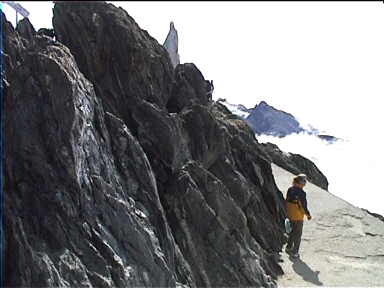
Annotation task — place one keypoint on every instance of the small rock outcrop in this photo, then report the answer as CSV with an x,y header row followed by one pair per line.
x,y
296,164
25,29
171,44
376,215
46,32
120,173
189,88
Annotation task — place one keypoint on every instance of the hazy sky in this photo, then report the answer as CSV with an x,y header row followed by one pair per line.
x,y
321,61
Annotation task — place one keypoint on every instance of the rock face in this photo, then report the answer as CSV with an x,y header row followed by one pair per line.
x,y
119,173
296,164
25,29
265,119
82,203
171,44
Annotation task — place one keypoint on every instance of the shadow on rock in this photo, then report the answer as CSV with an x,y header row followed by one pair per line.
x,y
302,269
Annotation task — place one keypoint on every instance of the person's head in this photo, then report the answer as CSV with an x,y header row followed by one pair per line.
x,y
300,180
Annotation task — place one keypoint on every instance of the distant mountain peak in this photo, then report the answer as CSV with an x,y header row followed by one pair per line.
x,y
265,119
263,103
268,120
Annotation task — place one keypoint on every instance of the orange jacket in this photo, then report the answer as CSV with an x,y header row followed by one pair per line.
x,y
295,211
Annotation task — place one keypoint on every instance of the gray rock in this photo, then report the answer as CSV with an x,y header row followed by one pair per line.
x,y
296,164
189,88
171,44
46,32
82,202
120,172
25,29
378,216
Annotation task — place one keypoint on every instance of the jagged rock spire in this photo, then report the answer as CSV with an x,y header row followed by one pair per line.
x,y
171,45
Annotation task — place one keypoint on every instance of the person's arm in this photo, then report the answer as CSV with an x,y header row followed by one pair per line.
x,y
303,200
289,195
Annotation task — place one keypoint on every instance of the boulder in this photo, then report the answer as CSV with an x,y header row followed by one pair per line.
x,y
296,164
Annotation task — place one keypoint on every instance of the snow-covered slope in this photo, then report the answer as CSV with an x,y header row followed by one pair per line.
x,y
341,246
236,109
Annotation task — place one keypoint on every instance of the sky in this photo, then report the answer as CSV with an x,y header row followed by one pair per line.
x,y
323,62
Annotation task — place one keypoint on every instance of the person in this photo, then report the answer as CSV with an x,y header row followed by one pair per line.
x,y
296,202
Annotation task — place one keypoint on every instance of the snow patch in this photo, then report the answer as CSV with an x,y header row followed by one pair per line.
x,y
235,109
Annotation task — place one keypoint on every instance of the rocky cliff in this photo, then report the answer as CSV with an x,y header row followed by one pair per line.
x,y
119,171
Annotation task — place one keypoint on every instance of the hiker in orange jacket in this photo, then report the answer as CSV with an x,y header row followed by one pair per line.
x,y
297,208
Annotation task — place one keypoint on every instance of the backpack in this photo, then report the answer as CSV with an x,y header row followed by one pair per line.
x,y
295,210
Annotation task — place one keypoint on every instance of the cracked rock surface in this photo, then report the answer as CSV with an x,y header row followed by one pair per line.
x,y
120,172
342,245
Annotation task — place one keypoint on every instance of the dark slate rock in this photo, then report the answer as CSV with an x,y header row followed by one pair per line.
x,y
190,88
216,238
121,173
25,29
296,164
124,61
378,216
82,203
46,32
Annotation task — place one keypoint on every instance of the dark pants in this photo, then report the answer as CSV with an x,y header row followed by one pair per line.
x,y
295,236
